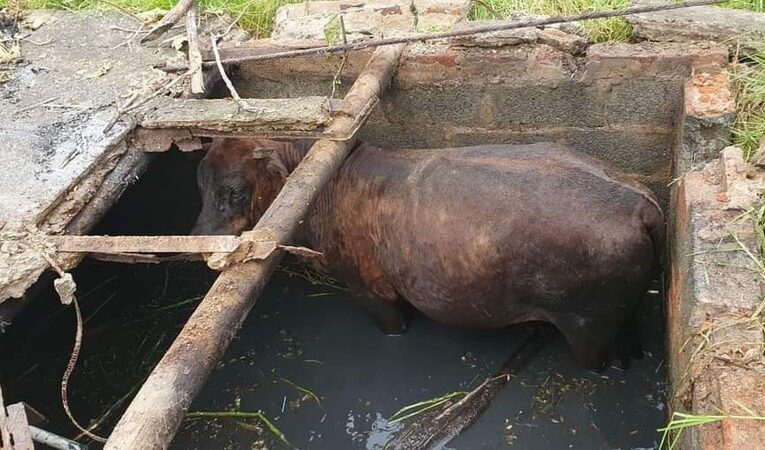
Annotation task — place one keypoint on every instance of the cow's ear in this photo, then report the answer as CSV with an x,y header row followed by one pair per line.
x,y
268,179
276,167
272,160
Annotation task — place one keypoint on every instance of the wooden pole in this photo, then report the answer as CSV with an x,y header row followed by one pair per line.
x,y
195,54
155,414
171,18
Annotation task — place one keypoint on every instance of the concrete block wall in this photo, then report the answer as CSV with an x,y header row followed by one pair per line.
x,y
715,346
624,103
659,111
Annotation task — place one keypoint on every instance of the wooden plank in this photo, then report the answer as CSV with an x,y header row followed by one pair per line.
x,y
170,19
19,426
195,54
215,117
145,244
14,428
5,426
155,414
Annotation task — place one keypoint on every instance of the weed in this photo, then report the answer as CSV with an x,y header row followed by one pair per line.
x,y
616,29
420,407
258,415
749,80
681,421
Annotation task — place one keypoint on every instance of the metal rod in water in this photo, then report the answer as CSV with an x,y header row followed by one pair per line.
x,y
53,440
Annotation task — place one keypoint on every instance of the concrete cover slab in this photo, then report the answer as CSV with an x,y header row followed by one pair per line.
x,y
700,23
59,96
368,19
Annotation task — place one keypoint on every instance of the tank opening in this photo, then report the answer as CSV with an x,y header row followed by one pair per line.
x,y
307,357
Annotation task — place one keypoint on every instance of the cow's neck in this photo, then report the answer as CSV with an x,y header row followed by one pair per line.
x,y
291,155
294,152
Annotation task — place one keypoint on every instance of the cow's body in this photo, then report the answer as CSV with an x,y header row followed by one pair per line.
x,y
480,236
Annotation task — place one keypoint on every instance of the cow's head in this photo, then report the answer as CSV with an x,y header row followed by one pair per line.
x,y
238,179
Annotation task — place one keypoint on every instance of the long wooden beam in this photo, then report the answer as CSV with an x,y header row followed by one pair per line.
x,y
157,411
195,54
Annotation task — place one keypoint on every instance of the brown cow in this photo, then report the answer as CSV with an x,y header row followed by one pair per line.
x,y
482,236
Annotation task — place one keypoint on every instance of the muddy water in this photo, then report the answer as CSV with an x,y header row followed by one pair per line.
x,y
308,358
313,337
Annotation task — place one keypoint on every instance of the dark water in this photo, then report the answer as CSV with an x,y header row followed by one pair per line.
x,y
323,343
315,338
303,338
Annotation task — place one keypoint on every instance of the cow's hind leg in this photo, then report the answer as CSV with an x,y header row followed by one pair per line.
x,y
386,310
604,338
627,345
591,339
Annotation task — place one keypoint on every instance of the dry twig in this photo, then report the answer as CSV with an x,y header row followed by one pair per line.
x,y
171,18
234,94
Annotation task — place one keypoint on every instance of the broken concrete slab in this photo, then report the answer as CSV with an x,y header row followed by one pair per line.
x,y
700,23
710,109
367,19
559,38
58,101
23,257
60,97
714,300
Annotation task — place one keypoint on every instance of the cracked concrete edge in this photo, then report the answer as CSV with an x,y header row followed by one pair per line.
x,y
737,28
84,203
714,344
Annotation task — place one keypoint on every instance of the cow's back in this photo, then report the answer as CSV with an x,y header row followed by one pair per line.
x,y
488,235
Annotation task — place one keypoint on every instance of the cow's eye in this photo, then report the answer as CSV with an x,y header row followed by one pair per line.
x,y
239,195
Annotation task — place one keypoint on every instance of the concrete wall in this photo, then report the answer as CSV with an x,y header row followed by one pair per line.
x,y
715,340
658,111
623,103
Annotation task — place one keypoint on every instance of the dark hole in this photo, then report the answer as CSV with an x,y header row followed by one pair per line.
x,y
314,337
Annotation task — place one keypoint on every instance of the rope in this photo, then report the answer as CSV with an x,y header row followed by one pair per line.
x,y
65,288
502,26
68,373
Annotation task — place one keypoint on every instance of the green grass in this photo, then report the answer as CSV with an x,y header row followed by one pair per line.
x,y
751,5
426,405
616,29
257,16
680,422
749,79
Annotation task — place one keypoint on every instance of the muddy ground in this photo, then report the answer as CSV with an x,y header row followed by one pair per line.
x,y
307,357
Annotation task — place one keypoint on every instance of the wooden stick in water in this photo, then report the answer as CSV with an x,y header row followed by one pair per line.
x,y
437,428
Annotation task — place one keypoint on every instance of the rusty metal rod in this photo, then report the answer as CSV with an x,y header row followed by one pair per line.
x,y
144,244
490,28
155,414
